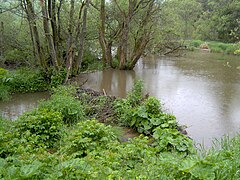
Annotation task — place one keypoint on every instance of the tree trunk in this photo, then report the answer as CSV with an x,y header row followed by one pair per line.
x,y
82,39
28,6
1,40
48,34
59,21
124,45
138,50
70,43
54,27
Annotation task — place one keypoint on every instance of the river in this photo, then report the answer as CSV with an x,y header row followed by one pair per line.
x,y
201,89
20,103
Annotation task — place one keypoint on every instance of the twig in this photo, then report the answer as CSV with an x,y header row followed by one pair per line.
x,y
104,92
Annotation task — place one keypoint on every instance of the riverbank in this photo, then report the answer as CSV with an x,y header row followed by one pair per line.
x,y
64,144
214,46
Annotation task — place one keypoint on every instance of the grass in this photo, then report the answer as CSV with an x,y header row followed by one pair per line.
x,y
215,46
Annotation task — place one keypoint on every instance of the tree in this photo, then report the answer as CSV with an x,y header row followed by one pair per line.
x,y
128,30
52,12
220,21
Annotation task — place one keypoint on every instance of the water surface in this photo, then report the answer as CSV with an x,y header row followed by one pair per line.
x,y
202,89
20,103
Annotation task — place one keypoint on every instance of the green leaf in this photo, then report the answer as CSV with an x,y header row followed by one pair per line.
x,y
30,169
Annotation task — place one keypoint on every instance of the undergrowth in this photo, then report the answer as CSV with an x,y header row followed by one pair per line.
x,y
25,80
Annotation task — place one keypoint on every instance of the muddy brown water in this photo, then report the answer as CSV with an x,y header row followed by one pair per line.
x,y
201,89
20,103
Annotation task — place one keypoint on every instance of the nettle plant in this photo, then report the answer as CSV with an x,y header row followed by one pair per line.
x,y
63,100
88,136
40,128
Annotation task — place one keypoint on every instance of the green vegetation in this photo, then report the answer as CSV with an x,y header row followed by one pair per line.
x,y
40,128
59,40
25,80
218,47
63,101
63,138
42,145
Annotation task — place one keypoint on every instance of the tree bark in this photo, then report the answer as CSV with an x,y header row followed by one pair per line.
x,y
28,7
48,34
70,43
105,45
1,40
102,33
54,27
82,39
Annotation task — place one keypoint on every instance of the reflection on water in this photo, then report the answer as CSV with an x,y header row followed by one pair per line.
x,y
21,103
113,82
201,89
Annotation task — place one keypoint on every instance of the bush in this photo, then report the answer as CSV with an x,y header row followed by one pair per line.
x,y
64,102
169,139
90,62
144,115
196,43
26,80
40,128
135,96
17,57
4,92
88,136
57,77
8,143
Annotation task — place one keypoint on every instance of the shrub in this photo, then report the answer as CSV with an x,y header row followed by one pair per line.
x,y
135,96
196,43
26,80
4,92
6,136
88,136
64,102
124,107
142,115
40,128
146,117
169,139
90,62
17,57
3,72
57,77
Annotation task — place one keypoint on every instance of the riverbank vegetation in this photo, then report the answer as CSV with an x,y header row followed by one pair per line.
x,y
23,80
69,143
214,46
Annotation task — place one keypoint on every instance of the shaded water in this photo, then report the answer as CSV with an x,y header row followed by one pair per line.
x,y
20,103
202,89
